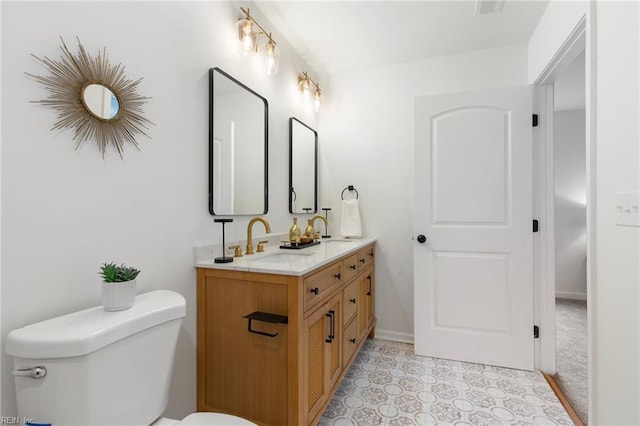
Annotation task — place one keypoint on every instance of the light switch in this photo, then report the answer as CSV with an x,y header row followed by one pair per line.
x,y
627,208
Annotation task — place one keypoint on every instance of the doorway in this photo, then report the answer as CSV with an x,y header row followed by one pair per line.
x,y
570,211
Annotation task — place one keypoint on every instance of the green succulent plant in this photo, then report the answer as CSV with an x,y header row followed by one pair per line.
x,y
112,273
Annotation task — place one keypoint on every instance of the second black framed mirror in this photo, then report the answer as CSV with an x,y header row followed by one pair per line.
x,y
303,167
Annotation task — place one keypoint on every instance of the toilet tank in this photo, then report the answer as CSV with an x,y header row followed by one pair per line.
x,y
102,368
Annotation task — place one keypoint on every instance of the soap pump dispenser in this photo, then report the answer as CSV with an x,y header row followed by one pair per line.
x,y
294,232
309,231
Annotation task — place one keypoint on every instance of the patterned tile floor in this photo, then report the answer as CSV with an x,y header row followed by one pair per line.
x,y
389,385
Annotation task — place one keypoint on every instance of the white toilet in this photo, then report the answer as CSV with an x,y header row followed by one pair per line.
x,y
103,368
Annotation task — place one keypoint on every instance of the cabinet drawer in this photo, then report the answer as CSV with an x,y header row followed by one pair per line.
x,y
350,267
350,301
365,257
350,342
320,284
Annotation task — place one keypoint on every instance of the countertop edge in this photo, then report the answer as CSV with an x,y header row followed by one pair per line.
x,y
244,265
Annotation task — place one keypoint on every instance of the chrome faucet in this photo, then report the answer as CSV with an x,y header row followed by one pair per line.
x,y
310,231
249,232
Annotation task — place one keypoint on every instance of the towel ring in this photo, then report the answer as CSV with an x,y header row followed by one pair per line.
x,y
293,193
350,188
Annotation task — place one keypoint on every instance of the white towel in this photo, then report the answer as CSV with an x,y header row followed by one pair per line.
x,y
351,226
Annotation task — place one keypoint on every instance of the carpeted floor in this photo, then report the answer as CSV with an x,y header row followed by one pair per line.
x,y
571,353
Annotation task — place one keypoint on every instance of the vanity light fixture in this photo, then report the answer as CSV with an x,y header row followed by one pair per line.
x,y
248,41
304,84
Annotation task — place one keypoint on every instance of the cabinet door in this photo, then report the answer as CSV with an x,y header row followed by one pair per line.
x,y
365,308
322,356
334,348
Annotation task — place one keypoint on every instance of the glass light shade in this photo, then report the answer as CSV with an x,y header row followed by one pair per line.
x,y
247,38
305,89
272,57
316,101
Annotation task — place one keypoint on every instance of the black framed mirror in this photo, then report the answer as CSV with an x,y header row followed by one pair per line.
x,y
303,167
238,147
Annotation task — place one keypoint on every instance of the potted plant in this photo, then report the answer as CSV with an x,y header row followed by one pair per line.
x,y
118,286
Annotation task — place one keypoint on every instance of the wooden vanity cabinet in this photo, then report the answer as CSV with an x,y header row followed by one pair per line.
x,y
281,373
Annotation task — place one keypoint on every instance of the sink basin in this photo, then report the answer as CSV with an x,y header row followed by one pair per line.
x,y
282,258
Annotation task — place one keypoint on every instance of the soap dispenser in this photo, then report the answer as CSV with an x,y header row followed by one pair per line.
x,y
309,231
294,232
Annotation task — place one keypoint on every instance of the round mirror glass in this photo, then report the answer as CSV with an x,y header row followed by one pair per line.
x,y
100,101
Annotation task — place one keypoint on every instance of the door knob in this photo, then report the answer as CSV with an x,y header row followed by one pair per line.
x,y
422,239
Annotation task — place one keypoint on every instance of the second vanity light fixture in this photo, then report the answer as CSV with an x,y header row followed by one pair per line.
x,y
248,39
304,84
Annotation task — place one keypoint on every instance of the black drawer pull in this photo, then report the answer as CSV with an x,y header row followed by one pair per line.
x,y
362,260
338,275
315,291
353,340
352,267
353,300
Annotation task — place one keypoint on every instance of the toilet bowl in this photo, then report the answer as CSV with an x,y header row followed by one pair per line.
x,y
204,419
98,368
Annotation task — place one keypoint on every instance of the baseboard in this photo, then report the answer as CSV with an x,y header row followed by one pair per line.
x,y
394,336
570,295
563,400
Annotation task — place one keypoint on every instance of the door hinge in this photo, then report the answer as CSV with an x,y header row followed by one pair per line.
x,y
534,122
536,332
535,225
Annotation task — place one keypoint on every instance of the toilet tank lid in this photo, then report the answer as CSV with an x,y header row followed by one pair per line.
x,y
83,332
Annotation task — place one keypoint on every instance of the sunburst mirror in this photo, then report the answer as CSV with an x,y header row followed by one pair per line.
x,y
94,98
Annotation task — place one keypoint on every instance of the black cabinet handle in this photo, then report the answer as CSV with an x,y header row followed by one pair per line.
x,y
338,275
315,290
333,324
362,260
331,315
353,300
371,254
353,340
352,267
369,283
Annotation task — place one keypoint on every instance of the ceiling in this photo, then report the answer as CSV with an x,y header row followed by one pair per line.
x,y
342,36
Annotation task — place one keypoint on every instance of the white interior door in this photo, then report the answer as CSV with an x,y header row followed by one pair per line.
x,y
473,276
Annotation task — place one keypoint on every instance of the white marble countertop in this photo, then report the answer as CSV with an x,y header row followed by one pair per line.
x,y
275,260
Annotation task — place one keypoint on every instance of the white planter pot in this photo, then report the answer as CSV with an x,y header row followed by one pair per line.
x,y
118,296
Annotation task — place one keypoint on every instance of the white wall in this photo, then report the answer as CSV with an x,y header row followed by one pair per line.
x,y
367,141
66,212
570,204
616,299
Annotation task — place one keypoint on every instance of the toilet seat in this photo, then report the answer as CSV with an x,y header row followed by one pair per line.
x,y
213,419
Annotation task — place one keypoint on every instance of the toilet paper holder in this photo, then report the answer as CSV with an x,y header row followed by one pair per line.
x,y
265,317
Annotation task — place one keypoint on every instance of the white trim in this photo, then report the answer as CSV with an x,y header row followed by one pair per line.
x,y
570,49
570,295
590,115
394,336
544,243
581,37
